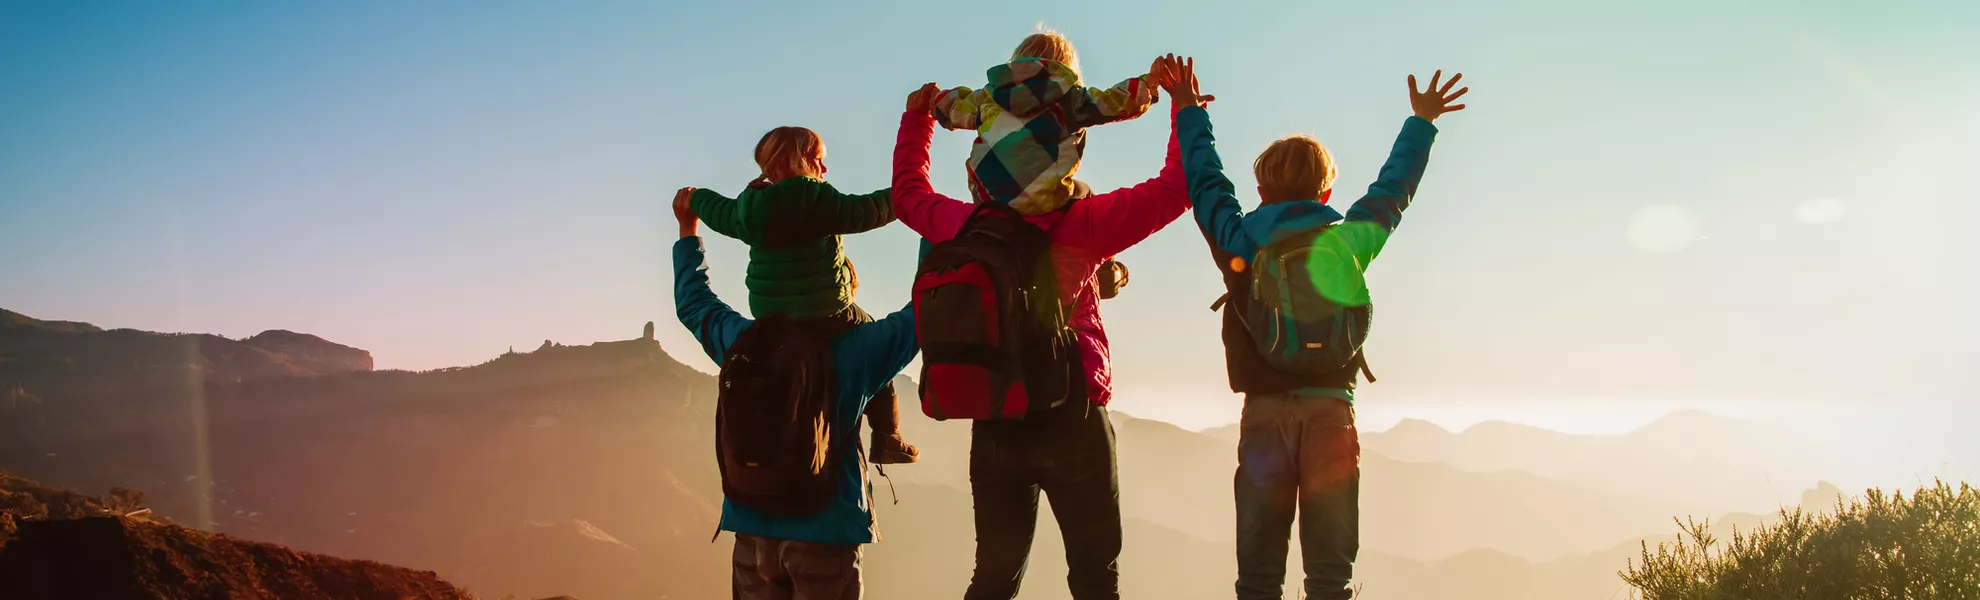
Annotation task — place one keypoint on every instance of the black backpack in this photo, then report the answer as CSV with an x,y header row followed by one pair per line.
x,y
994,337
1295,327
775,440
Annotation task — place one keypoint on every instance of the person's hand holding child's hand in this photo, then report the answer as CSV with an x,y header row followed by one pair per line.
x,y
1156,75
1433,101
684,212
1178,77
923,99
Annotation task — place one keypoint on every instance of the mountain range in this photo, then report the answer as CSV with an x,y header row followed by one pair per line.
x,y
587,470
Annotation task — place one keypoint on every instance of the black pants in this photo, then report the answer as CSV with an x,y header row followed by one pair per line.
x,y
1297,452
1067,453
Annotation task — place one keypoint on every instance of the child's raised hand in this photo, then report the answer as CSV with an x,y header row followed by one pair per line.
x,y
1179,79
1433,101
923,99
684,212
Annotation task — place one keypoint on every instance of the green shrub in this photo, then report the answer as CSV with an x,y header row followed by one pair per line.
x,y
1926,547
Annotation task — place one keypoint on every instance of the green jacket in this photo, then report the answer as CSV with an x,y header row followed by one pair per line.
x,y
797,265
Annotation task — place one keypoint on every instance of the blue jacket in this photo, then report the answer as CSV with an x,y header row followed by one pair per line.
x,y
1232,234
867,357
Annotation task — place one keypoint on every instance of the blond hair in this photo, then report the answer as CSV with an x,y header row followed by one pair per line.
x,y
1294,168
1049,45
787,152
852,279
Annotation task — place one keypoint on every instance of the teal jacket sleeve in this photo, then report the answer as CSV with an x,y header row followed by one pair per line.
x,y
713,323
887,345
884,347
1373,217
1212,197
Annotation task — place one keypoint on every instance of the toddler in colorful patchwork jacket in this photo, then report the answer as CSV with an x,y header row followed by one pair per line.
x,y
1031,120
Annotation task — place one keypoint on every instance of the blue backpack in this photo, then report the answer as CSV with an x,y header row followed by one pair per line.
x,y
1294,327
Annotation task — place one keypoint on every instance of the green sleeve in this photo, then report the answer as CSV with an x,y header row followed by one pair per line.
x,y
829,212
723,215
1361,239
1375,215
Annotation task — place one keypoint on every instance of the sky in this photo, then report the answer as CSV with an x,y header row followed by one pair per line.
x,y
1756,208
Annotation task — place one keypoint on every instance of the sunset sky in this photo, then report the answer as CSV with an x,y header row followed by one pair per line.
x,y
1759,208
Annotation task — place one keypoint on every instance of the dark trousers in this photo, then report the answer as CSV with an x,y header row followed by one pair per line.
x,y
1297,452
774,569
883,412
1067,453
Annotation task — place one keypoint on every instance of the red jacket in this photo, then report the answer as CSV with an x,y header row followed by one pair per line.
x,y
1083,236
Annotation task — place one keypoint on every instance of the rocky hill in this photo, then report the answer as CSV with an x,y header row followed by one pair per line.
x,y
60,544
311,353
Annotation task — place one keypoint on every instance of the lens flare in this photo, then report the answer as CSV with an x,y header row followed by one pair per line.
x,y
1821,210
1662,229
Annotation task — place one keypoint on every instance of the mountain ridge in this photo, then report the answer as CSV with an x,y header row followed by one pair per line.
x,y
483,474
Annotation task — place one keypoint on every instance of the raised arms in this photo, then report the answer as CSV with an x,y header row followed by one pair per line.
x,y
1211,195
1378,212
712,321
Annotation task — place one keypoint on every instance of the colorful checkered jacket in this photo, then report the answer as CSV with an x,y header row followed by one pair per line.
x,y
1030,123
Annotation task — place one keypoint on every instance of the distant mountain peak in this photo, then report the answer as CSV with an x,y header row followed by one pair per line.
x,y
1690,422
10,318
55,358
1508,430
1418,427
312,353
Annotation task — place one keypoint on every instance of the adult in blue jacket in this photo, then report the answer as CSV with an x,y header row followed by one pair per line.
x,y
1297,444
779,557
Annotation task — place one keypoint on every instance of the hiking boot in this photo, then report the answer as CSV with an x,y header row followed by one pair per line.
x,y
890,449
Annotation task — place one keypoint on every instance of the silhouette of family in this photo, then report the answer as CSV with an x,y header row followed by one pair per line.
x,y
1004,312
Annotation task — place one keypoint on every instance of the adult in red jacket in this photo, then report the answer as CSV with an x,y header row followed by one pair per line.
x,y
1067,453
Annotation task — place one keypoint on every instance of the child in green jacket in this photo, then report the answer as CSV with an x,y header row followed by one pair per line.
x,y
793,220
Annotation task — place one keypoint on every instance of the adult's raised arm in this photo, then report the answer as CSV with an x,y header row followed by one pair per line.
x,y
712,321
1114,221
936,217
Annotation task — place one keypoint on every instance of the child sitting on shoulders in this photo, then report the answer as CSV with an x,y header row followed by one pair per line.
x,y
793,222
1031,120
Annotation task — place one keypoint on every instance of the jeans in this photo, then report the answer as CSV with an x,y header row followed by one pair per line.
x,y
1068,453
1297,452
774,569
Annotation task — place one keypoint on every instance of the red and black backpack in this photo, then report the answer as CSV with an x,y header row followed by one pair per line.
x,y
993,330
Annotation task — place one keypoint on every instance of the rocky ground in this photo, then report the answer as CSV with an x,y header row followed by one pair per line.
x,y
56,544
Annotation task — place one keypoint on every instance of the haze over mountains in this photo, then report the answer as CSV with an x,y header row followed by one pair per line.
x,y
586,470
